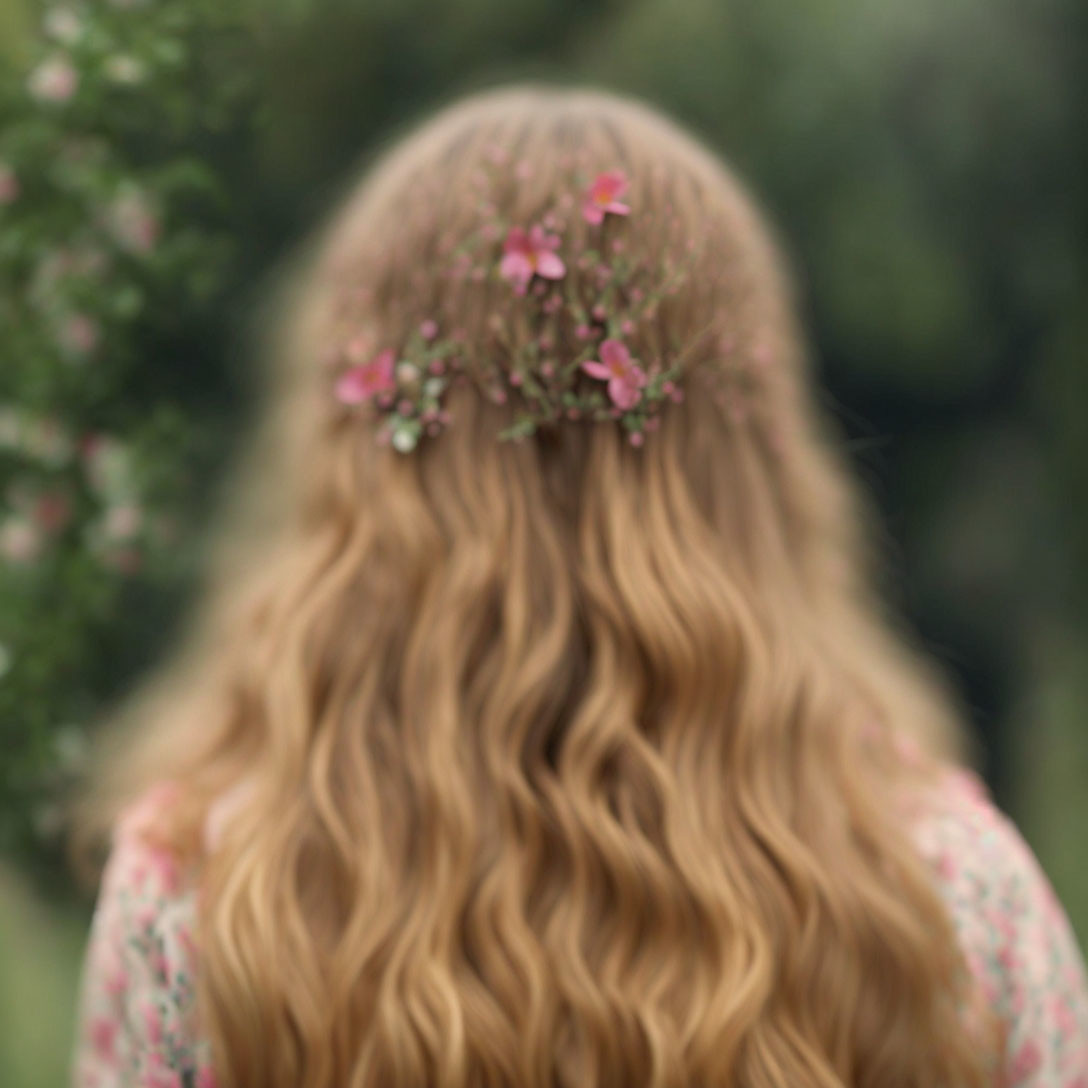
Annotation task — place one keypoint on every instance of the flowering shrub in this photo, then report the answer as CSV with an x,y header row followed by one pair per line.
x,y
115,248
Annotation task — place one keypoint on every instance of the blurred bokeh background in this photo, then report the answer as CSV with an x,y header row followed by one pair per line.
x,y
925,163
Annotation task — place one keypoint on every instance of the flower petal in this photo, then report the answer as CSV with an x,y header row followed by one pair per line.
x,y
517,241
516,267
624,395
352,386
549,265
614,353
597,369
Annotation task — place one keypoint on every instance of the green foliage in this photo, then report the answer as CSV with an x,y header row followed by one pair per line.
x,y
116,256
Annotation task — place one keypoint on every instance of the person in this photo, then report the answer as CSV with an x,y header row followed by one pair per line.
x,y
544,723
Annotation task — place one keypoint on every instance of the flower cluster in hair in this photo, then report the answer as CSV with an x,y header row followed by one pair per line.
x,y
578,361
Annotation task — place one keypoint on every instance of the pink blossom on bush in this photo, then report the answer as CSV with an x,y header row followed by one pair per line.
x,y
20,540
54,80
9,184
526,254
132,221
52,511
363,381
79,334
624,376
604,197
122,522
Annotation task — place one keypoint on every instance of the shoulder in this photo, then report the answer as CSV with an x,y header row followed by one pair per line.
x,y
137,1001
1013,930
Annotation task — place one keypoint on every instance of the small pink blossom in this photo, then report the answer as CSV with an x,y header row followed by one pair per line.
x,y
124,560
79,334
122,522
527,254
624,376
363,381
132,222
54,80
9,185
428,329
52,511
20,541
604,196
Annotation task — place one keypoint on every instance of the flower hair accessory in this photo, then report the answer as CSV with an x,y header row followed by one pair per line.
x,y
578,361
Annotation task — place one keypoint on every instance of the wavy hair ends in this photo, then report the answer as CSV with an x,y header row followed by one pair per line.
x,y
571,763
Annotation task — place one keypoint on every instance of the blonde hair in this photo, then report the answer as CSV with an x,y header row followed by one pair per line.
x,y
571,763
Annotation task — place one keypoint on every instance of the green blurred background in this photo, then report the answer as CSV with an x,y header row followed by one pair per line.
x,y
925,163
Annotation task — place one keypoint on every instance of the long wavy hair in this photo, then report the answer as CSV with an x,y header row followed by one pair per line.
x,y
570,763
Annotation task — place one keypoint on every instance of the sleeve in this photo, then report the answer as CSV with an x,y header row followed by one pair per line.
x,y
1018,942
134,1022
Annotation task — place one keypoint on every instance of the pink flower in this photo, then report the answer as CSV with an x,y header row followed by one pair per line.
x,y
79,334
125,560
361,382
132,222
624,376
428,329
20,540
604,195
122,522
9,184
54,80
526,254
52,511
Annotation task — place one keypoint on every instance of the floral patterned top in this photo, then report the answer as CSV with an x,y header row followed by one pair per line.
x,y
136,1026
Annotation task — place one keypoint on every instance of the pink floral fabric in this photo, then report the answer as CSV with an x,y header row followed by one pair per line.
x,y
136,1024
135,1015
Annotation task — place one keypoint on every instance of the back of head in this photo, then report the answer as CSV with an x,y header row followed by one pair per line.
x,y
571,756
